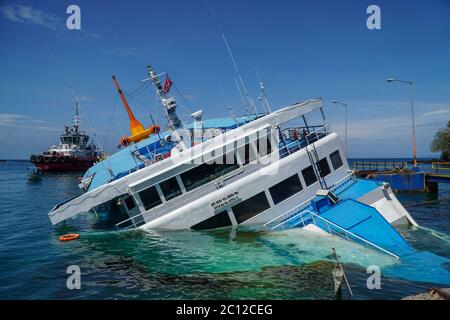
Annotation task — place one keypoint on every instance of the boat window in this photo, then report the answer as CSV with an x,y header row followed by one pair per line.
x,y
219,220
170,188
309,176
336,160
207,172
150,198
251,207
129,202
285,189
324,167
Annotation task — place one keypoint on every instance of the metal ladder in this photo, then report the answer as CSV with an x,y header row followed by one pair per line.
x,y
314,159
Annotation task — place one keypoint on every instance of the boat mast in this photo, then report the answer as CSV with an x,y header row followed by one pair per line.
x,y
262,98
170,106
76,117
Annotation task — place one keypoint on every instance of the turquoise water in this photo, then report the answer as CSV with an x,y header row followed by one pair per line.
x,y
218,264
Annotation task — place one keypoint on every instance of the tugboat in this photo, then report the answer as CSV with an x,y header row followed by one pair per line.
x,y
73,153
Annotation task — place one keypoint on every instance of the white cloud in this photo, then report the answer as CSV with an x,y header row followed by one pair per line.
x,y
10,119
384,128
46,128
436,113
30,15
27,14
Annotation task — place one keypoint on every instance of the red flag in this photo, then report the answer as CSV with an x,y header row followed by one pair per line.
x,y
167,84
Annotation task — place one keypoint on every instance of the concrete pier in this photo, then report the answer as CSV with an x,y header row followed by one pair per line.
x,y
403,178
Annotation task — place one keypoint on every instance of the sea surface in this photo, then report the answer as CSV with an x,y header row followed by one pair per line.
x,y
220,264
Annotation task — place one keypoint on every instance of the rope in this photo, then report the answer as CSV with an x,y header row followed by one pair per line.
x,y
142,105
182,97
138,90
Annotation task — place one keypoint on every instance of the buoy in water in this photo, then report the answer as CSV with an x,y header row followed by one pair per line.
x,y
69,237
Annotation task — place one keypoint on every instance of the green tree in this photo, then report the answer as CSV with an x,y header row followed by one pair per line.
x,y
441,142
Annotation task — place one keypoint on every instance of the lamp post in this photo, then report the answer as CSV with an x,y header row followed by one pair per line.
x,y
346,125
410,83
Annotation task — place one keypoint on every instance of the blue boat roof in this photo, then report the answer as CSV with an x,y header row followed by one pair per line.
x,y
121,162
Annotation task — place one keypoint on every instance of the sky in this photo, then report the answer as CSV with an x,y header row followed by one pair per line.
x,y
301,49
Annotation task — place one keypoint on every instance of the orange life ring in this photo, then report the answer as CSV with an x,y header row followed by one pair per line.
x,y
69,237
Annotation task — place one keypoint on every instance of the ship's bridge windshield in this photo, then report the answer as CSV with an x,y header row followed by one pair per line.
x,y
68,139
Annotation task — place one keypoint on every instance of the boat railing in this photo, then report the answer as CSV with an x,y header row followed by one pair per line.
x,y
347,180
288,214
440,167
379,165
307,217
292,132
303,140
131,221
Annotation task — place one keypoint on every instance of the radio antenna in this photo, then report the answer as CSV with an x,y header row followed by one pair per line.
x,y
262,98
238,74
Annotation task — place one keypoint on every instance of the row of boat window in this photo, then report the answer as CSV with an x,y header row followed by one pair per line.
x,y
278,192
205,173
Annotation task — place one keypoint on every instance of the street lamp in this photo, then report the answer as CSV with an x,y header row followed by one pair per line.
x,y
346,126
410,83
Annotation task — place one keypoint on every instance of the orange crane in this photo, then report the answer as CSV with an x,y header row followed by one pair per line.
x,y
138,132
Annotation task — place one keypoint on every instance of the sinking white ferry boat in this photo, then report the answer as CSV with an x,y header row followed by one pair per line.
x,y
275,170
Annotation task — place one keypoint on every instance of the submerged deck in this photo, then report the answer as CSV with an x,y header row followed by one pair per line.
x,y
342,214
